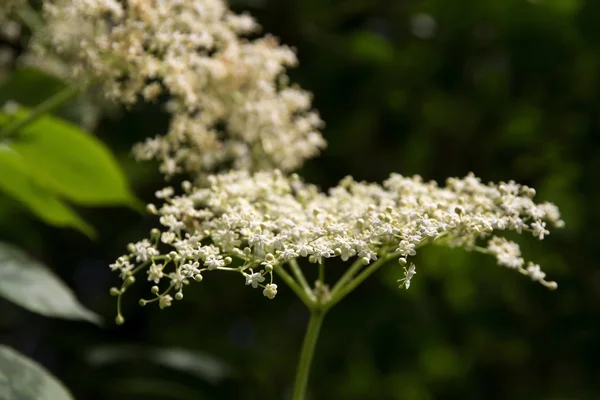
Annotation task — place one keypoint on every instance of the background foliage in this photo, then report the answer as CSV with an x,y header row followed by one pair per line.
x,y
506,89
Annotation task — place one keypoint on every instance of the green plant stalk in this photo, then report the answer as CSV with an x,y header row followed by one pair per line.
x,y
44,107
318,308
300,277
343,291
309,301
322,272
307,353
349,274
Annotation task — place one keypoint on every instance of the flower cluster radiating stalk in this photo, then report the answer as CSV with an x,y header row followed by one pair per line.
x,y
255,224
230,100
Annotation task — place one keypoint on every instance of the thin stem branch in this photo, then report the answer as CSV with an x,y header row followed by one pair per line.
x,y
349,274
345,290
46,106
307,353
322,272
287,278
300,276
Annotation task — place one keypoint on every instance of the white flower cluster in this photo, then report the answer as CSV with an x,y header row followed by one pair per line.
x,y
229,98
255,223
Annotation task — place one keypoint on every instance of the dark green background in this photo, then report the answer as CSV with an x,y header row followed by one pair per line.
x,y
508,89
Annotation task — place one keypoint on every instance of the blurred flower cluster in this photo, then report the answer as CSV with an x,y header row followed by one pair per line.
x,y
229,97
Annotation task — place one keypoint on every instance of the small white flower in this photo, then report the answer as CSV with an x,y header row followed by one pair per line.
x,y
406,248
213,262
539,229
507,253
155,272
190,270
254,279
144,251
535,272
165,301
164,193
167,237
287,254
178,279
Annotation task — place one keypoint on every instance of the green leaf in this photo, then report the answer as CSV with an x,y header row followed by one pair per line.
x,y
31,285
23,379
15,180
199,364
70,162
370,47
29,87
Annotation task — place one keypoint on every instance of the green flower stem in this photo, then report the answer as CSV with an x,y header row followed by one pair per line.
x,y
337,296
348,275
46,106
300,276
307,353
322,272
287,278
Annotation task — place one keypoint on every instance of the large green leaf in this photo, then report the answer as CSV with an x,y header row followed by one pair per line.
x,y
29,87
31,285
16,181
70,162
197,363
24,379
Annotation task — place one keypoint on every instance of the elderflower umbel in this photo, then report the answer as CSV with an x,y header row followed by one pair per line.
x,y
264,220
228,96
